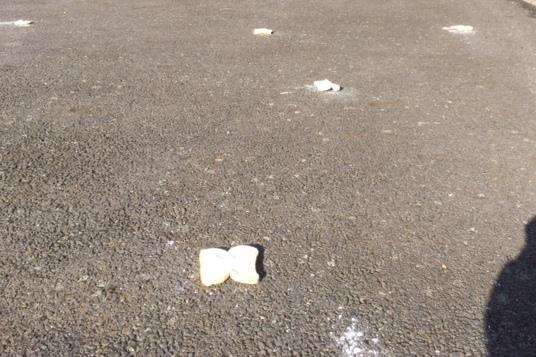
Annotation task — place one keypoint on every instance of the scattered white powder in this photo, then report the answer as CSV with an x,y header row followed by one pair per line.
x,y
354,343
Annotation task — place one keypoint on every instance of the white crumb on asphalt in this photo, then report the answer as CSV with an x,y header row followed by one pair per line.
x,y
460,29
263,31
17,23
326,85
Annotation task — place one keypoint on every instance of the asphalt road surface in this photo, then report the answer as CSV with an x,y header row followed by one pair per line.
x,y
395,215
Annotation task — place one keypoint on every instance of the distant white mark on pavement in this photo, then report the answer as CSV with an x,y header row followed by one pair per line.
x,y
344,95
263,31
460,29
326,85
18,23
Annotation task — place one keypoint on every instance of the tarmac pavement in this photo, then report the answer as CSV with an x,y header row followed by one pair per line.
x,y
392,214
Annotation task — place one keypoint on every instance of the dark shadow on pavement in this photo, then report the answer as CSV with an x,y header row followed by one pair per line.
x,y
259,264
511,310
527,6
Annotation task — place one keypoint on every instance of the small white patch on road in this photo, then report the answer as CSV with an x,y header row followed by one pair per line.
x,y
345,94
263,31
326,85
460,29
17,23
354,343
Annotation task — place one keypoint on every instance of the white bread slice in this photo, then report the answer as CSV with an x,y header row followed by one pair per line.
x,y
213,266
243,259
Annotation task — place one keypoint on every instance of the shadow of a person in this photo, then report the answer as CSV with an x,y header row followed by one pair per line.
x,y
511,310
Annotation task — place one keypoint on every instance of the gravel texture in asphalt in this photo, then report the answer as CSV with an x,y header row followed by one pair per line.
x,y
395,215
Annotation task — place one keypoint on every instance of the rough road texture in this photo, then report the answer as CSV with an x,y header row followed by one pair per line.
x,y
134,133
